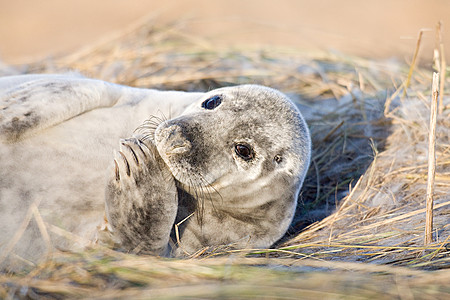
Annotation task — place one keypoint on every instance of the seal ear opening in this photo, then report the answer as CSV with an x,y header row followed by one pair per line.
x,y
286,163
278,159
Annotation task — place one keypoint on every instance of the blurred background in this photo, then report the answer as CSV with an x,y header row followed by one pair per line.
x,y
381,29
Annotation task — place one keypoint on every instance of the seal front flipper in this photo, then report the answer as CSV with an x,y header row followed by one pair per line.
x,y
30,103
141,198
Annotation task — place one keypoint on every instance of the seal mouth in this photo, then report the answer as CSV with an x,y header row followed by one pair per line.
x,y
177,148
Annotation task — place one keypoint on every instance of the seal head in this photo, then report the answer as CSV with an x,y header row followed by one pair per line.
x,y
241,151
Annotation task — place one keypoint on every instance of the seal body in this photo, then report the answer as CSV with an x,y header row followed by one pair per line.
x,y
223,167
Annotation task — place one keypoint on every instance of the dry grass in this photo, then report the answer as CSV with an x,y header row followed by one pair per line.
x,y
96,275
363,200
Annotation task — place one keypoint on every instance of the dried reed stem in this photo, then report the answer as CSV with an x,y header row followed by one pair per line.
x,y
431,160
42,228
443,66
333,131
442,81
19,233
413,63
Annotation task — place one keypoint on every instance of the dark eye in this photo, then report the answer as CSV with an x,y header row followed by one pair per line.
x,y
244,151
212,102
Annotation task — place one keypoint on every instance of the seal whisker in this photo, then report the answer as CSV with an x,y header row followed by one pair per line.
x,y
148,127
208,187
147,137
151,120
200,202
203,196
161,119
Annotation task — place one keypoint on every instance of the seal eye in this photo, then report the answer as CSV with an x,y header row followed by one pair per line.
x,y
244,151
212,102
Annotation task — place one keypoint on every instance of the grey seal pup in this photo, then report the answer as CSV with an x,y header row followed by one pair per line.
x,y
216,168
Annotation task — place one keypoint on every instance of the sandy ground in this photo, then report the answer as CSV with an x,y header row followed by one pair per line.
x,y
379,29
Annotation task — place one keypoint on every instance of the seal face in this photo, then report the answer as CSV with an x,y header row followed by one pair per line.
x,y
242,153
242,135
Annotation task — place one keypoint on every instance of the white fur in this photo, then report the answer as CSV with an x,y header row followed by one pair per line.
x,y
62,162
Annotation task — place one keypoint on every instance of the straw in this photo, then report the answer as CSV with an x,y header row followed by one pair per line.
x,y
431,160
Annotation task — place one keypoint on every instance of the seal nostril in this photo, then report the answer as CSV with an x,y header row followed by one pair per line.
x,y
173,141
